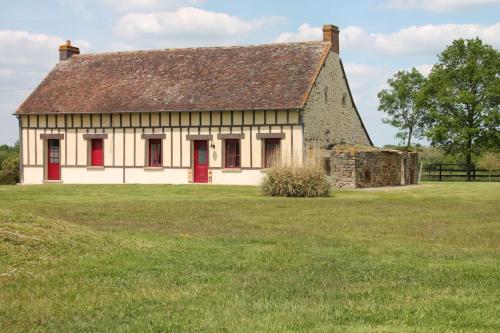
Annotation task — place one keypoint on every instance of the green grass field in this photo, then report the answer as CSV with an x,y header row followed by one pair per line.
x,y
226,259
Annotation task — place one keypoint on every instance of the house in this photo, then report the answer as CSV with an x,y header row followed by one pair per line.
x,y
216,114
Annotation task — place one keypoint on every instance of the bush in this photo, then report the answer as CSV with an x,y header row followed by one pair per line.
x,y
295,181
9,170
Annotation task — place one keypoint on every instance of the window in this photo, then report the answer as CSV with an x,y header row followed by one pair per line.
x,y
154,153
232,152
271,152
97,153
53,151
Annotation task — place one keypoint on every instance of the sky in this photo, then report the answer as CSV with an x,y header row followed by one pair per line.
x,y
377,37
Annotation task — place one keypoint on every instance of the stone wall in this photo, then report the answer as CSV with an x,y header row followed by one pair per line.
x,y
330,115
355,167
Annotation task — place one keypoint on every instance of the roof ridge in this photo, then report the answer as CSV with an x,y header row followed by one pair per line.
x,y
197,48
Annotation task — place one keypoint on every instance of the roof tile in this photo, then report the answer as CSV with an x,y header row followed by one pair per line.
x,y
273,76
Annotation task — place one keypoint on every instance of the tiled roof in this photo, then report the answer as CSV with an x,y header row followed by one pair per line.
x,y
274,76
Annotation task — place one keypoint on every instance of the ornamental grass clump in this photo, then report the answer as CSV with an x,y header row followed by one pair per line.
x,y
296,181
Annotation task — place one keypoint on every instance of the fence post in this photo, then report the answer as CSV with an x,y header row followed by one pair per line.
x,y
473,172
440,171
420,173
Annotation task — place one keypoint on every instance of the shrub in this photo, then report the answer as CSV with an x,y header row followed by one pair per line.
x,y
296,181
9,170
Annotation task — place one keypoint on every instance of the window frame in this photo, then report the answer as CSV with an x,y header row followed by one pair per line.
x,y
150,143
265,162
238,153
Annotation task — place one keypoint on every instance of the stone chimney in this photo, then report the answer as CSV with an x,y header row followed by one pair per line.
x,y
66,51
331,35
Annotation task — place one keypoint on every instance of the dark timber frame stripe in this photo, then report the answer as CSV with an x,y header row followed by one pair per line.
x,y
191,137
153,136
50,136
231,136
261,136
95,136
158,124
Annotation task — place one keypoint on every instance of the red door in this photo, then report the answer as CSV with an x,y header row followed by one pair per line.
x,y
53,160
201,161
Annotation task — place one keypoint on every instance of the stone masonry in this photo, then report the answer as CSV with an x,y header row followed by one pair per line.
x,y
330,116
360,167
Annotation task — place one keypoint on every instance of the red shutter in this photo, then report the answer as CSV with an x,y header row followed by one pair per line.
x,y
97,154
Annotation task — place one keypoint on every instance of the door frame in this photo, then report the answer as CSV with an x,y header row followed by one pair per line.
x,y
45,137
193,159
46,160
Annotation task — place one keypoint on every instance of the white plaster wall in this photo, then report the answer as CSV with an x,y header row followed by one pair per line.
x,y
33,175
129,147
82,149
70,137
119,147
186,149
160,176
256,150
245,149
243,177
86,175
176,142
167,151
24,137
31,142
39,146
108,147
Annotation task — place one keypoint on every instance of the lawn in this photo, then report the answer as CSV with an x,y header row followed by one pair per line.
x,y
226,259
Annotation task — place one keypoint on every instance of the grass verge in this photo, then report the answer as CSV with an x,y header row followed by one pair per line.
x,y
213,258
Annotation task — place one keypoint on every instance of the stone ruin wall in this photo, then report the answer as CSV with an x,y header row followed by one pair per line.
x,y
372,168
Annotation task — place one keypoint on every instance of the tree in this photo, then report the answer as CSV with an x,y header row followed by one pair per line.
x,y
7,151
461,97
9,170
399,102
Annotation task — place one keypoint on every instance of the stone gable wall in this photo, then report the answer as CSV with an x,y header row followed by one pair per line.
x,y
329,115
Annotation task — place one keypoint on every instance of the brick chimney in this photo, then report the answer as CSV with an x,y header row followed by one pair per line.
x,y
331,35
66,51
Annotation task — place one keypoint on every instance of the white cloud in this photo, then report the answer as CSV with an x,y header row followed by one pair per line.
x,y
188,26
26,52
437,5
132,5
305,33
365,81
20,48
424,69
25,58
415,40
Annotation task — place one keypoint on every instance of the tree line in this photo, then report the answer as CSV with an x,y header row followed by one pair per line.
x,y
456,107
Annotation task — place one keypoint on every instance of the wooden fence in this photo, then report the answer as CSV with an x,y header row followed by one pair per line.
x,y
457,172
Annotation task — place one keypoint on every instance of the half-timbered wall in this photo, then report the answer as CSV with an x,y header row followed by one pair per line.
x,y
125,148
